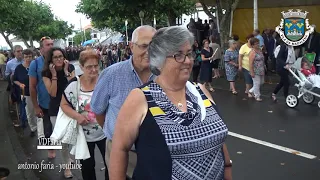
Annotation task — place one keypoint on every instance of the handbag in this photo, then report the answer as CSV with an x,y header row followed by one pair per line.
x,y
71,134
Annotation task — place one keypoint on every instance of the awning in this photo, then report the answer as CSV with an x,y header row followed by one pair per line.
x,y
91,41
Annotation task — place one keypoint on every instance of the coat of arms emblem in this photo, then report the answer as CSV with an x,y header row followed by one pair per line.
x,y
294,28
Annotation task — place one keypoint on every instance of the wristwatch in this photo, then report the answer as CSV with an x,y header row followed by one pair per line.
x,y
228,164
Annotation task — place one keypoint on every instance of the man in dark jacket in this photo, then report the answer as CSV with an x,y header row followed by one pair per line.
x,y
312,45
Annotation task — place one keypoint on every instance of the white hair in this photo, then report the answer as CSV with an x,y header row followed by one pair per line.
x,y
166,41
135,33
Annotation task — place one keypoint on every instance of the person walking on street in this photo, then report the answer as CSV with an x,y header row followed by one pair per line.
x,y
3,61
38,92
55,74
282,69
21,79
116,82
89,64
206,67
244,64
257,68
174,124
231,64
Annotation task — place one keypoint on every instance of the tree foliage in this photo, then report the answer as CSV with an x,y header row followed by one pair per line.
x,y
79,37
113,13
30,20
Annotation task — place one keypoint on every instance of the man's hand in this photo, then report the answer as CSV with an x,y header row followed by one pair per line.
x,y
38,112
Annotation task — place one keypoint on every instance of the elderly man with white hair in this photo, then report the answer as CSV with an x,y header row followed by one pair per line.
x,y
116,82
174,124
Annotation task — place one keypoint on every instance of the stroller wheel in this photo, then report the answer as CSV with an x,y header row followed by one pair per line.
x,y
308,98
292,101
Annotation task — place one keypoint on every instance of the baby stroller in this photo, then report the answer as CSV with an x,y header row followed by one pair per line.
x,y
304,86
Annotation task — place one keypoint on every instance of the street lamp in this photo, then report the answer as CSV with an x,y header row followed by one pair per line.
x,y
141,15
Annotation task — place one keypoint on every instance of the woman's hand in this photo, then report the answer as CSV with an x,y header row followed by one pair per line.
x,y
82,119
252,74
287,67
22,86
227,173
53,70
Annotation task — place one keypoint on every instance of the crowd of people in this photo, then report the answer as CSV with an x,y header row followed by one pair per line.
x,y
142,108
252,60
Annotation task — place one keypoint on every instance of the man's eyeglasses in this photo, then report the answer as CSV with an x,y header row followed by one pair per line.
x,y
142,47
180,57
44,38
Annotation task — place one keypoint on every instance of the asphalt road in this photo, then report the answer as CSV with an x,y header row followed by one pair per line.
x,y
275,123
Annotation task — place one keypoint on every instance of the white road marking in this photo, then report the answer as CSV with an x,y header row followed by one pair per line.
x,y
281,148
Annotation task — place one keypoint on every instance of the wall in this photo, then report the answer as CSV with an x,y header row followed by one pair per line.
x,y
268,18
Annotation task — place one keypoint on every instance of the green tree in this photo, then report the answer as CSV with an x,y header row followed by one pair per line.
x,y
78,39
9,18
224,18
113,13
29,21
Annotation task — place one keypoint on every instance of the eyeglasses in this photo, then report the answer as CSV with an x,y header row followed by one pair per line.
x,y
91,67
180,57
27,56
44,38
142,47
61,57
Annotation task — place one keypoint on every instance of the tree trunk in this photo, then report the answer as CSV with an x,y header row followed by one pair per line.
x,y
172,18
31,41
206,10
6,37
26,43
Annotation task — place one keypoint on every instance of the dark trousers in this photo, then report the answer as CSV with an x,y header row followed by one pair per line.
x,y
88,165
47,125
316,61
195,73
284,82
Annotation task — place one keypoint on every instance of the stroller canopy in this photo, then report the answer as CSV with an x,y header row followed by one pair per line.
x,y
297,64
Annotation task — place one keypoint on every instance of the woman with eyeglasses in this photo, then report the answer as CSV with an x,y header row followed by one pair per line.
x,y
89,64
56,73
174,124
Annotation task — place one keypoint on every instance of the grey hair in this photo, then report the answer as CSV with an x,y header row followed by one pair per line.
x,y
135,33
166,41
16,47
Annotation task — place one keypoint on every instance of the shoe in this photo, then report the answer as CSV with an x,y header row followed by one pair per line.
x,y
68,174
32,134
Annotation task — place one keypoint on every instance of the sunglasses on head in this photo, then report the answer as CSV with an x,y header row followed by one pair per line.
x,y
44,38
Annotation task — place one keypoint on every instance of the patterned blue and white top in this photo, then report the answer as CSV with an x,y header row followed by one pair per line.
x,y
178,145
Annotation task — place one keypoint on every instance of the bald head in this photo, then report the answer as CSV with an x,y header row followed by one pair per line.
x,y
140,29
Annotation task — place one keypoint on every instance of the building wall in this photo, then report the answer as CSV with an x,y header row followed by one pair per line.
x,y
268,18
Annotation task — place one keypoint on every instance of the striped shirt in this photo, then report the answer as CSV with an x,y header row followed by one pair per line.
x,y
113,87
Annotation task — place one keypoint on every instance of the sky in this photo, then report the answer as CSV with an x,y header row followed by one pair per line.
x,y
65,10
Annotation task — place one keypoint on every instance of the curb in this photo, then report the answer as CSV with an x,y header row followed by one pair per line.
x,y
17,148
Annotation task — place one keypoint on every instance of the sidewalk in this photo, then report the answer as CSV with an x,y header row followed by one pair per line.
x,y
11,152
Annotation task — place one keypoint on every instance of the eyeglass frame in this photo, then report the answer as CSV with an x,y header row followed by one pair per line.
x,y
185,57
139,46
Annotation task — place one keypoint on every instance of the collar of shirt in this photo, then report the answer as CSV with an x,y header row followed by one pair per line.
x,y
135,72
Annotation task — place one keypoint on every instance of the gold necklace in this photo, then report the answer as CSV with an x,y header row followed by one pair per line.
x,y
179,104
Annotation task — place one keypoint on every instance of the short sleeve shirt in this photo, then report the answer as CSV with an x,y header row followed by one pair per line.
x,y
245,51
35,70
93,132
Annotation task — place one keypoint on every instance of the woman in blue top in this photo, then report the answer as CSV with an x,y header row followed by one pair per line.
x,y
231,64
21,79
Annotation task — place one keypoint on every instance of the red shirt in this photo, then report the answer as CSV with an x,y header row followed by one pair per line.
x,y
308,72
